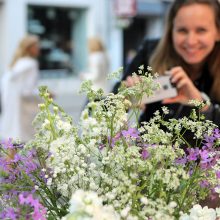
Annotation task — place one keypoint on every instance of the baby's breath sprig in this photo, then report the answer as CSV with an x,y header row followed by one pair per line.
x,y
48,121
116,74
86,87
145,86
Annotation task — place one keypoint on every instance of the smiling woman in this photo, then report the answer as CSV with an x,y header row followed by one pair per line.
x,y
189,49
194,39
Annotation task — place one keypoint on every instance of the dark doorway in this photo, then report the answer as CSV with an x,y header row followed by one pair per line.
x,y
54,27
133,37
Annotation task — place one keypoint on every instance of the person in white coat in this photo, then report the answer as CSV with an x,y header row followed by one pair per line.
x,y
98,65
19,91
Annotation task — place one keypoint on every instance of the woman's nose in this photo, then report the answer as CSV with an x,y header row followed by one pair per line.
x,y
191,38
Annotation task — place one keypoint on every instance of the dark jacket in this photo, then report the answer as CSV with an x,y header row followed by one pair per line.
x,y
176,110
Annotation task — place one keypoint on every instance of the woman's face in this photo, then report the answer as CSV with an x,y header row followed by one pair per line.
x,y
34,50
194,33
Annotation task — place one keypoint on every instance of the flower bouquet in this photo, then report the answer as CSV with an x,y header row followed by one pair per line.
x,y
109,166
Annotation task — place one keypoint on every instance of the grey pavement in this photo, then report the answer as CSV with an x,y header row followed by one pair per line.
x,y
72,104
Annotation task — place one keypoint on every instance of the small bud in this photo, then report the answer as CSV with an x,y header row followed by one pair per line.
x,y
41,106
55,109
127,103
46,95
50,100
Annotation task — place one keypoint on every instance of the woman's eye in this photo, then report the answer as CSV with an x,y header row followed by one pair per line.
x,y
182,30
201,30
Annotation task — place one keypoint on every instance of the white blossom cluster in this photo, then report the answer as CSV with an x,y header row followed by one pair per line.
x,y
68,161
200,213
88,206
100,118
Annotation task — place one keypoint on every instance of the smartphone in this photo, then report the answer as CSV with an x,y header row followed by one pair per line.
x,y
167,90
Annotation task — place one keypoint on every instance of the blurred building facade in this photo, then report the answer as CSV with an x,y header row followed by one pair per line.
x,y
65,25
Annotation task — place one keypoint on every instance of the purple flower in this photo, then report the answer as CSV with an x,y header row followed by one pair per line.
x,y
9,213
191,171
205,166
17,157
181,160
39,210
218,174
39,215
4,164
30,166
131,132
213,195
145,154
193,154
7,144
114,139
26,199
206,161
204,154
101,146
149,145
210,140
204,184
216,133
49,155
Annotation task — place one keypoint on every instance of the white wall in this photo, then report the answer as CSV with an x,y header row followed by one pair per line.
x,y
13,23
115,41
2,37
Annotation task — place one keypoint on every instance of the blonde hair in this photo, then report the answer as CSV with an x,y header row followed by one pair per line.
x,y
165,56
95,45
24,46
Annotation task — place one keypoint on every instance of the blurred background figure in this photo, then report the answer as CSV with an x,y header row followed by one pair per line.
x,y
19,91
98,65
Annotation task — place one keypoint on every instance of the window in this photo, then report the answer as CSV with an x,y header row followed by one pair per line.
x,y
54,26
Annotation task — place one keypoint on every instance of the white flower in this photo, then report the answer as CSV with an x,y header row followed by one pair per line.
x,y
90,204
66,126
46,124
144,200
199,213
172,204
49,181
165,110
184,217
125,212
217,212
149,68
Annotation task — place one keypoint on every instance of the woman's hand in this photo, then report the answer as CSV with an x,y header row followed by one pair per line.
x,y
131,81
185,87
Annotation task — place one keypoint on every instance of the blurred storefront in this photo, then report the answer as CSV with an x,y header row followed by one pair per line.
x,y
65,25
143,19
